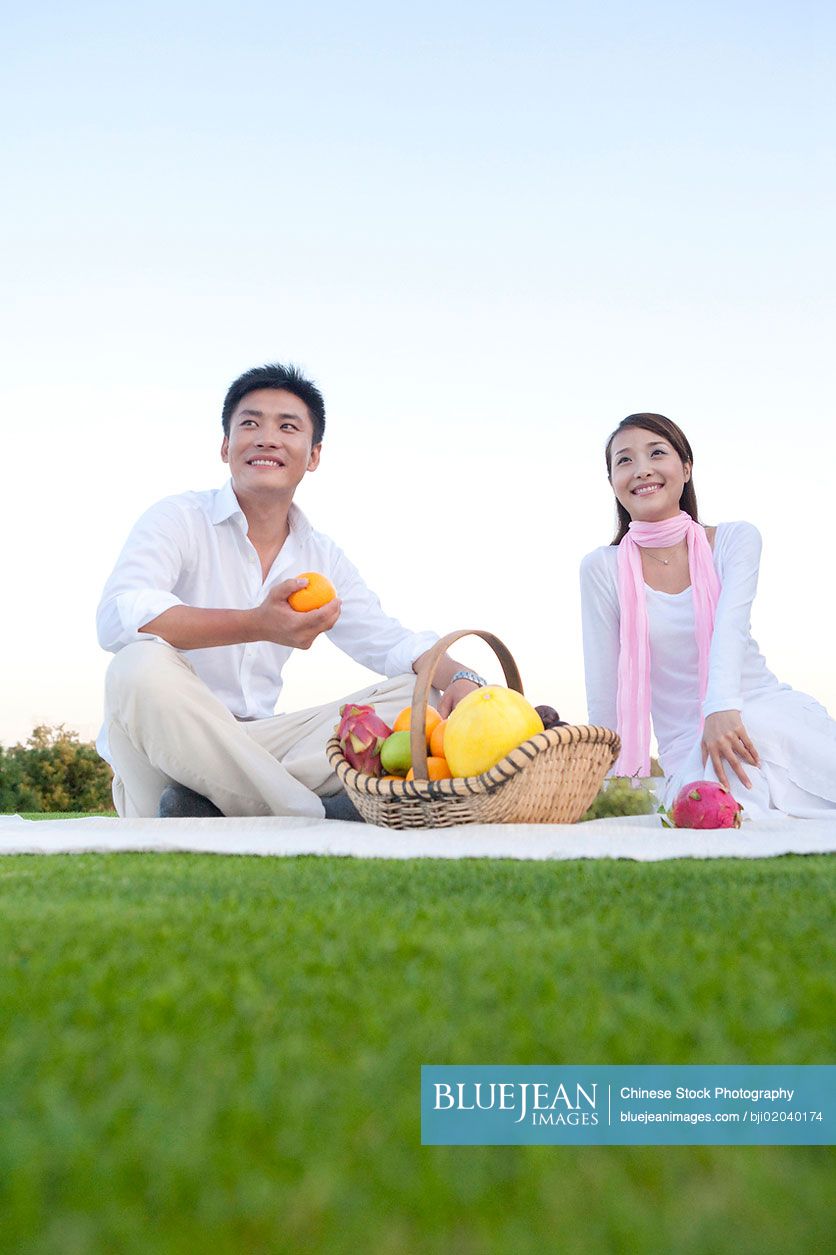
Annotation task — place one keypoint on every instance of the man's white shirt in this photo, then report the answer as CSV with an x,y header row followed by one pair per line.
x,y
192,549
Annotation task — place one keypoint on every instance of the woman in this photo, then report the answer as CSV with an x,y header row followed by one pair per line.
x,y
666,613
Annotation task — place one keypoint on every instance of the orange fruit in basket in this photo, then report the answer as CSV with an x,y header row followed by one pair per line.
x,y
437,739
404,719
437,769
318,592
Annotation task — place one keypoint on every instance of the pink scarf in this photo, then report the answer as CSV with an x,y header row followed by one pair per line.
x,y
633,708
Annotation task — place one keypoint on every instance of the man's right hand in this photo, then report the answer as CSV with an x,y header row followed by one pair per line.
x,y
275,619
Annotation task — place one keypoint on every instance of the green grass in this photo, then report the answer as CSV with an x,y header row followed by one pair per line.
x,y
68,815
201,1053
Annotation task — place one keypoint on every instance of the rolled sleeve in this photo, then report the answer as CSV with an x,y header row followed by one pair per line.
x,y
140,585
400,658
140,607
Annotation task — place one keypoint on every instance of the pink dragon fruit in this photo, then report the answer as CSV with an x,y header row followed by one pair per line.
x,y
361,733
704,804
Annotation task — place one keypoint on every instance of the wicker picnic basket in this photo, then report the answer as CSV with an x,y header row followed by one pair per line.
x,y
550,779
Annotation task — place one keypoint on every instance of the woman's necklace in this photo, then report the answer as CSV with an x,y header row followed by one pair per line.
x,y
664,561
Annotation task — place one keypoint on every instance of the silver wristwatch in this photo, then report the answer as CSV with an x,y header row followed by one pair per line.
x,y
469,675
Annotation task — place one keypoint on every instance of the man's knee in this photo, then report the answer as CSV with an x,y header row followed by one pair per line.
x,y
144,667
403,684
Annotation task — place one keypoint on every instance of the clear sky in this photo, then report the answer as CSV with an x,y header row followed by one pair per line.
x,y
489,231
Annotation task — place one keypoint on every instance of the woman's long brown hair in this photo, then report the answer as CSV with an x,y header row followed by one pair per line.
x,y
669,431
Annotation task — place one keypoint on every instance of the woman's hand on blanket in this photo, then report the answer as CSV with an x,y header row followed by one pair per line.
x,y
724,739
275,619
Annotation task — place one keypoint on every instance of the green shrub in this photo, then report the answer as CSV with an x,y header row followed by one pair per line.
x,y
618,797
14,794
54,771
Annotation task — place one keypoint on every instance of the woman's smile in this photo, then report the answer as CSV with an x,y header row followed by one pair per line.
x,y
644,490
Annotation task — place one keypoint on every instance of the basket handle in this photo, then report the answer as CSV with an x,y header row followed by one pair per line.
x,y
426,674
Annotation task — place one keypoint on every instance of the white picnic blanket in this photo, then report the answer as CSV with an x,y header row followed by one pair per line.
x,y
639,837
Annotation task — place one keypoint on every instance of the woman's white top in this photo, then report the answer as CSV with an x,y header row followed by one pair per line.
x,y
793,734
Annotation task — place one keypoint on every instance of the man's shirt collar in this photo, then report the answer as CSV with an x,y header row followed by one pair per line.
x,y
226,506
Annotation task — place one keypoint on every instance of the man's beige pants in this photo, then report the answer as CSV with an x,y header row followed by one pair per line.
x,y
165,726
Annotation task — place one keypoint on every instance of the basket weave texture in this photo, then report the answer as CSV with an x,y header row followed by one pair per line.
x,y
550,779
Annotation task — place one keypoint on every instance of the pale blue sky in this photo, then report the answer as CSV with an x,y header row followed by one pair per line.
x,y
488,232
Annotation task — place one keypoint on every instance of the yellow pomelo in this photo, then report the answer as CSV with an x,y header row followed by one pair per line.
x,y
485,726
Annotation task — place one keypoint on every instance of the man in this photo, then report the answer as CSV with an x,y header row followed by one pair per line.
x,y
196,611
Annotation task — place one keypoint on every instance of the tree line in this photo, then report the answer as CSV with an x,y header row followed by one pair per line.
x,y
54,771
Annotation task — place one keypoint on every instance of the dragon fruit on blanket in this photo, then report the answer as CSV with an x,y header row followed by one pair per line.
x,y
704,804
361,733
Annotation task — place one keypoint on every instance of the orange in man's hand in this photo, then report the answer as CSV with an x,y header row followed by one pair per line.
x,y
402,723
437,769
318,592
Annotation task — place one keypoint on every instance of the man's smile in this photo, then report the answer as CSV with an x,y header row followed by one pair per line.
x,y
263,461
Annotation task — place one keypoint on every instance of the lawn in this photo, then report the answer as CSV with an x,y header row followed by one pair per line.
x,y
201,1053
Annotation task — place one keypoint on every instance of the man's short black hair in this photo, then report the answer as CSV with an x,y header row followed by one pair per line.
x,y
275,375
